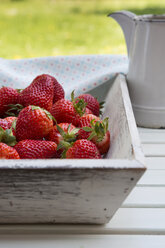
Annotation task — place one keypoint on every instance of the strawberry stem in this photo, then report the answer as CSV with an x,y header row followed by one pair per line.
x,y
79,104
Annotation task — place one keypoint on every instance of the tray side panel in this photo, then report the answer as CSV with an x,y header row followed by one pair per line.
x,y
63,196
121,143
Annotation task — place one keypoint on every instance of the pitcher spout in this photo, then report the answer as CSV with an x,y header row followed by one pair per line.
x,y
126,20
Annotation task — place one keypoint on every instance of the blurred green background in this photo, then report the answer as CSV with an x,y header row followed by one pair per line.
x,y
36,28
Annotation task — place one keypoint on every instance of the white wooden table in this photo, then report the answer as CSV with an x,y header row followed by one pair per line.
x,y
140,222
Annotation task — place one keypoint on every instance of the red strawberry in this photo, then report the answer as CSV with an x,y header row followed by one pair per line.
x,y
83,149
10,120
95,130
103,144
12,123
85,121
58,90
64,111
4,124
7,152
7,96
88,111
7,123
35,149
7,132
68,111
33,123
92,103
62,132
39,93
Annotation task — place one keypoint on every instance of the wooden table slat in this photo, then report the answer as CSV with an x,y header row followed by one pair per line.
x,y
155,138
155,163
150,130
146,197
125,221
142,213
82,241
154,150
152,178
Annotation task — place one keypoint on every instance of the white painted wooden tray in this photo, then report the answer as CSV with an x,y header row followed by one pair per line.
x,y
77,191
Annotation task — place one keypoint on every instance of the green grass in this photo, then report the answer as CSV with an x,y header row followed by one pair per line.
x,y
36,28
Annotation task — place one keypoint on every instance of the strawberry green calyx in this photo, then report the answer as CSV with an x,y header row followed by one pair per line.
x,y
65,146
7,137
98,129
1,133
13,109
79,105
70,135
19,90
45,111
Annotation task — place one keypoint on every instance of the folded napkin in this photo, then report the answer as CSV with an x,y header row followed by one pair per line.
x,y
82,73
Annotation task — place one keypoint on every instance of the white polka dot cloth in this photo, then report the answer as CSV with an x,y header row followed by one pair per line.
x,y
81,73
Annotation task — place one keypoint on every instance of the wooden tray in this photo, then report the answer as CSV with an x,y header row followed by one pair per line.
x,y
77,191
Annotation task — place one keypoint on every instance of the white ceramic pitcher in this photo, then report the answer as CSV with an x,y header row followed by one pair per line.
x,y
145,39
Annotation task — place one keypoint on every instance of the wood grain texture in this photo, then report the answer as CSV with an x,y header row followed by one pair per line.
x,y
63,196
74,191
125,142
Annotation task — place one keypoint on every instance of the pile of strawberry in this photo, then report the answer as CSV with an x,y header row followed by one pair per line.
x,y
38,122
